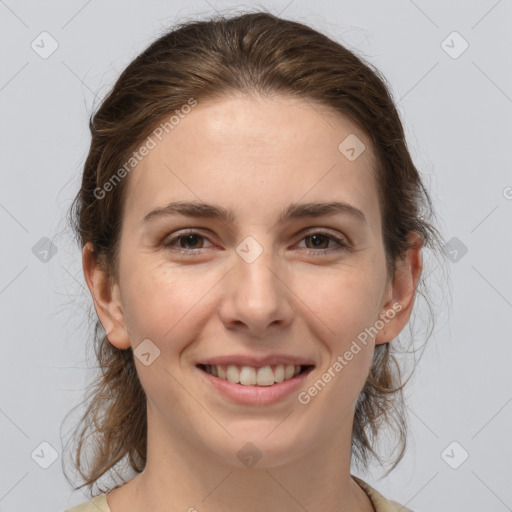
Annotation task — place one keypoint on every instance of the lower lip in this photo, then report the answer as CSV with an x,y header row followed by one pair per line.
x,y
256,395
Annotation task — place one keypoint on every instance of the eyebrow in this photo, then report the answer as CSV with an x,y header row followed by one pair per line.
x,y
293,211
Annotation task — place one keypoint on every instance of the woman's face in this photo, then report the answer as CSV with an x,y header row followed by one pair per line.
x,y
256,278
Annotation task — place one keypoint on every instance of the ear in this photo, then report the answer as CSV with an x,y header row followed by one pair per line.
x,y
107,298
401,292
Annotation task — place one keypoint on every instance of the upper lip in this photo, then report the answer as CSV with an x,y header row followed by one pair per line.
x,y
257,361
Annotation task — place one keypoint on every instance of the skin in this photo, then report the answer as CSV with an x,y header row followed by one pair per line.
x,y
253,156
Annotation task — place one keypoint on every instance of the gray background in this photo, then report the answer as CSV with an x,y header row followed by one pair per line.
x,y
457,111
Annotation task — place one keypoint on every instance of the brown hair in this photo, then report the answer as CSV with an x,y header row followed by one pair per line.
x,y
252,53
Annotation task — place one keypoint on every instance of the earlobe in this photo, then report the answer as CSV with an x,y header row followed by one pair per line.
x,y
402,292
106,298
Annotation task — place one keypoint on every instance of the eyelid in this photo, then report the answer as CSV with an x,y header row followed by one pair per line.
x,y
342,242
168,241
325,231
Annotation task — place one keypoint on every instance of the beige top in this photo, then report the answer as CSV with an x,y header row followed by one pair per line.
x,y
380,504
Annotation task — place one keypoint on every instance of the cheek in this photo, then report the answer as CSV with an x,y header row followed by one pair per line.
x,y
166,307
159,302
346,308
346,302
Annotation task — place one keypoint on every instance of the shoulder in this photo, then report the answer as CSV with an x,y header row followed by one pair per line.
x,y
96,504
379,502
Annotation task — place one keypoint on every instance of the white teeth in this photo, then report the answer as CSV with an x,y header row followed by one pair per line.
x,y
233,374
265,376
279,373
289,371
249,376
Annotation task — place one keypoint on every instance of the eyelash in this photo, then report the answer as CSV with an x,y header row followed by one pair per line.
x,y
342,245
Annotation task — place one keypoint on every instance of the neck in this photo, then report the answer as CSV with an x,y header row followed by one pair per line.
x,y
181,475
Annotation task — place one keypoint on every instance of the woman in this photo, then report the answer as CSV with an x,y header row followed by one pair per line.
x,y
251,226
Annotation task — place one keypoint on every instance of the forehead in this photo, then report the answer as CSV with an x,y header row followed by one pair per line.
x,y
253,155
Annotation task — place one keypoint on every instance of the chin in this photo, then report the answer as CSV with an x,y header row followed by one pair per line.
x,y
259,448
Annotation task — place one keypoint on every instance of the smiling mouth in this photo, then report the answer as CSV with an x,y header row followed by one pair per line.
x,y
251,376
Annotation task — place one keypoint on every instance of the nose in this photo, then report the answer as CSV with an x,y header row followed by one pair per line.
x,y
256,296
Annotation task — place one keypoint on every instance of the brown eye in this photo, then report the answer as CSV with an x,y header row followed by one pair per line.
x,y
188,243
318,241
190,240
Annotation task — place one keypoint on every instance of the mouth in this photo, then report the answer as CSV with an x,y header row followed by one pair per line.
x,y
263,376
